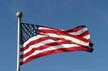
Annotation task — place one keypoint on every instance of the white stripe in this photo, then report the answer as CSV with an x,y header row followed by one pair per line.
x,y
87,36
45,28
49,49
79,31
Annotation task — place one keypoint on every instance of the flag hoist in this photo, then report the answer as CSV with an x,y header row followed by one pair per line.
x,y
19,15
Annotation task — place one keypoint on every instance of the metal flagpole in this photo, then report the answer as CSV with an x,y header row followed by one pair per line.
x,y
19,15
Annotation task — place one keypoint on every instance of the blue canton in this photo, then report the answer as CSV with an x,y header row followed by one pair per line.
x,y
27,31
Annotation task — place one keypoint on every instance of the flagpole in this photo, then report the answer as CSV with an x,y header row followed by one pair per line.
x,y
19,15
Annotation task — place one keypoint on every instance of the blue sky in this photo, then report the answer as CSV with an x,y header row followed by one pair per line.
x,y
63,14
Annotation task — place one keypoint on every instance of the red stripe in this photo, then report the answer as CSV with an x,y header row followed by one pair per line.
x,y
71,49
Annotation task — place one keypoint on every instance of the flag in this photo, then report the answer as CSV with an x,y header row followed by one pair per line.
x,y
37,41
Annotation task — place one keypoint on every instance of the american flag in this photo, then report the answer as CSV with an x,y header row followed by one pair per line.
x,y
37,41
